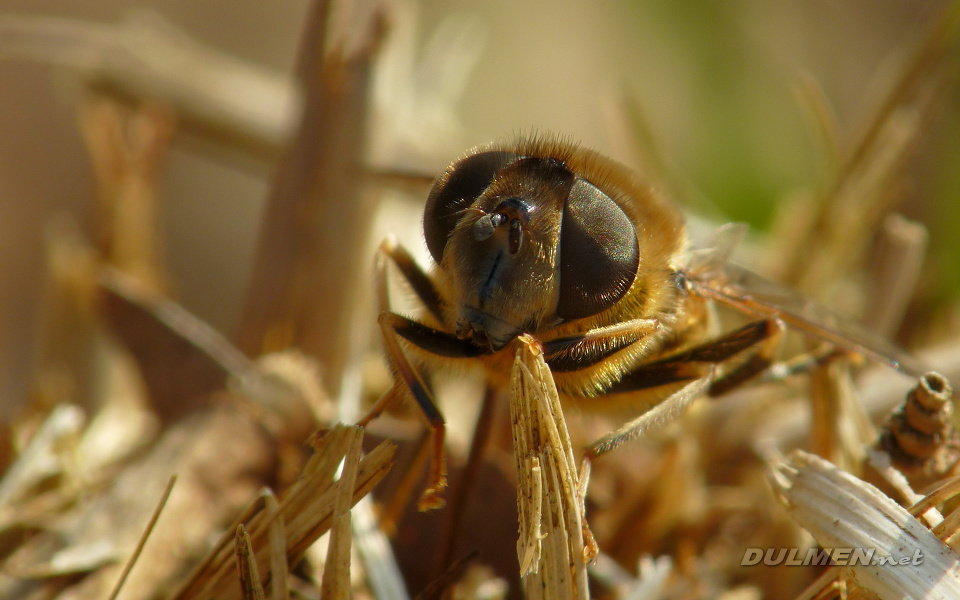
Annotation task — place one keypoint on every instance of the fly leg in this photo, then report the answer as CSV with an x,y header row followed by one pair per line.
x,y
667,410
767,347
393,327
432,496
424,289
592,346
763,337
420,282
698,368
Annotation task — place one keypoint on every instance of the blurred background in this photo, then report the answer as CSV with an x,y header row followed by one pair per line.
x,y
712,87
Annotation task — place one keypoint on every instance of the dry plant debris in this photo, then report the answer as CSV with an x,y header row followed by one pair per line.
x,y
309,508
216,96
551,547
843,512
920,437
131,388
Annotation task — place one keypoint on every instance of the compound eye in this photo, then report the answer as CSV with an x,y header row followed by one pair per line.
x,y
599,253
455,191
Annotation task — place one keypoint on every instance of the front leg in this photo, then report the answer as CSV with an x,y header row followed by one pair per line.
x,y
393,327
438,343
590,347
419,281
432,496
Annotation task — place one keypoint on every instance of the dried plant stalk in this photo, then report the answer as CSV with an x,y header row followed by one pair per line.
x,y
279,586
821,120
307,509
942,493
899,254
841,511
864,185
129,152
215,95
840,430
182,359
373,547
336,570
315,213
894,483
70,350
551,546
143,538
250,586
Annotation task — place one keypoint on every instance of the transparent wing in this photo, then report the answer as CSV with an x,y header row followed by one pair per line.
x,y
708,275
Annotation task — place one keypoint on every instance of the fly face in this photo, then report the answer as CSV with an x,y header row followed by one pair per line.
x,y
526,243
501,257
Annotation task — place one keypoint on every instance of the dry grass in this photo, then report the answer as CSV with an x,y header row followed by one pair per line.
x,y
133,390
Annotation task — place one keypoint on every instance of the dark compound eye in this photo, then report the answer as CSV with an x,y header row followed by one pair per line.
x,y
455,191
599,253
